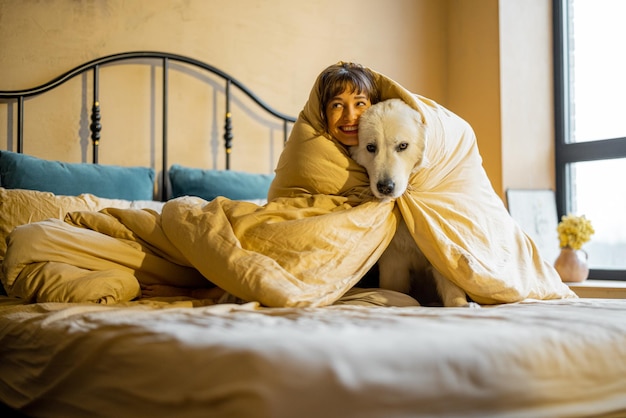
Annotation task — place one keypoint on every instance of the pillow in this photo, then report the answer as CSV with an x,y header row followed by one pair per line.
x,y
208,184
19,207
19,171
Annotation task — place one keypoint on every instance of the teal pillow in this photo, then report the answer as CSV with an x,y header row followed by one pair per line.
x,y
208,184
19,171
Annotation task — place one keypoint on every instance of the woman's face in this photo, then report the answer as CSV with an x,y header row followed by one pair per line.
x,y
342,115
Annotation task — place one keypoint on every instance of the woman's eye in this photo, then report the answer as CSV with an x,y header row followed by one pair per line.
x,y
402,146
370,148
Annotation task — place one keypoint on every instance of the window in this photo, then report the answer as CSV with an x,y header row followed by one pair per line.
x,y
590,122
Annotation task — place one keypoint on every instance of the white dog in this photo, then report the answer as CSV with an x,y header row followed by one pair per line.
x,y
392,140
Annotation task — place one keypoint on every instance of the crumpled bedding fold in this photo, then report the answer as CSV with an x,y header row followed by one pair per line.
x,y
319,234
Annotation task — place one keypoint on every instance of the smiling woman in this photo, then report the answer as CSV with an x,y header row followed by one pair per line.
x,y
346,91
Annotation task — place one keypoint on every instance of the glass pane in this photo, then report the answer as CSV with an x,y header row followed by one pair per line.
x,y
599,193
597,66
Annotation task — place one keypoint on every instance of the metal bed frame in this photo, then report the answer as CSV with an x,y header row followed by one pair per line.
x,y
19,96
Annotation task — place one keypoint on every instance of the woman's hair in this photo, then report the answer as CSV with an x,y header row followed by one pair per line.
x,y
339,77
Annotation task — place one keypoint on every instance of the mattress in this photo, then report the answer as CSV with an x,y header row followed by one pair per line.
x,y
560,358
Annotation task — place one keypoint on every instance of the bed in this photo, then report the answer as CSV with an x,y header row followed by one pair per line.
x,y
289,337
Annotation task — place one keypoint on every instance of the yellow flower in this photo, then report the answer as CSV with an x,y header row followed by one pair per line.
x,y
574,231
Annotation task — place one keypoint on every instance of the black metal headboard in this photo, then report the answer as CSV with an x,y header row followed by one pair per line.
x,y
95,127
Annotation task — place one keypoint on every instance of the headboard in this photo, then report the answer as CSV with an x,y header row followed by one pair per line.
x,y
166,61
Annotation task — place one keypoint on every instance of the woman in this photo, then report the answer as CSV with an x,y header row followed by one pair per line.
x,y
341,93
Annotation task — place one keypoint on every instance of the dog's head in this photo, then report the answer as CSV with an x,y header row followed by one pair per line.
x,y
392,139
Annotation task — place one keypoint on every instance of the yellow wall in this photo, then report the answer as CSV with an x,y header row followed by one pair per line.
x,y
473,88
527,105
500,80
487,60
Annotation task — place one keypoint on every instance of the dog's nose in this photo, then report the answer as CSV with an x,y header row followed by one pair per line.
x,y
385,187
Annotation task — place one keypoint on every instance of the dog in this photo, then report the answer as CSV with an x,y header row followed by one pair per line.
x,y
392,141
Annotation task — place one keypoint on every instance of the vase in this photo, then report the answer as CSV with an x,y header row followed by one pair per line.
x,y
572,265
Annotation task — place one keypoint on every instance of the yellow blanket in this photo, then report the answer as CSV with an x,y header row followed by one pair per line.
x,y
319,234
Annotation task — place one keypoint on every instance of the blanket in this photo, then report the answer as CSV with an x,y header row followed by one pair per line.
x,y
317,236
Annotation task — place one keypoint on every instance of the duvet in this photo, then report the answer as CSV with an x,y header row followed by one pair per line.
x,y
319,233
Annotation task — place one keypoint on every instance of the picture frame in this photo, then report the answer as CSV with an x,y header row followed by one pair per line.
x,y
535,211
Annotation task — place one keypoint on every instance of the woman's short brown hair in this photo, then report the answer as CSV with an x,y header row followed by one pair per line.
x,y
339,77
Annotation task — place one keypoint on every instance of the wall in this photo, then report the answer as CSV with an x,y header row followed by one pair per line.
x,y
486,60
473,88
500,80
527,104
273,46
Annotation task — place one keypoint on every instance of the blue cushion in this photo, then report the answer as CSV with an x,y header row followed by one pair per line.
x,y
208,184
19,171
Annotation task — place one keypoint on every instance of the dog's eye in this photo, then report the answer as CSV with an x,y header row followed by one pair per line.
x,y
402,146
370,148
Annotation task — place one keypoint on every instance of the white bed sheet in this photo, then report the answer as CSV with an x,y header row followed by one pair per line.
x,y
160,359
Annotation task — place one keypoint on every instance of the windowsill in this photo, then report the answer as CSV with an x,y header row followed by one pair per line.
x,y
606,289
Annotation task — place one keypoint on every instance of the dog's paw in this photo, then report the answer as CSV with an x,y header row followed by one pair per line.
x,y
473,305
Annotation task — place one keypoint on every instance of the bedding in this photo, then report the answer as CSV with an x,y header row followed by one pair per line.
x,y
19,207
296,334
318,235
558,358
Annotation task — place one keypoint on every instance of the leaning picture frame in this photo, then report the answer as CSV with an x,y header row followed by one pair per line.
x,y
535,211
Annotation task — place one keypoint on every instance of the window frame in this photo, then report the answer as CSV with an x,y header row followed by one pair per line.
x,y
564,152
